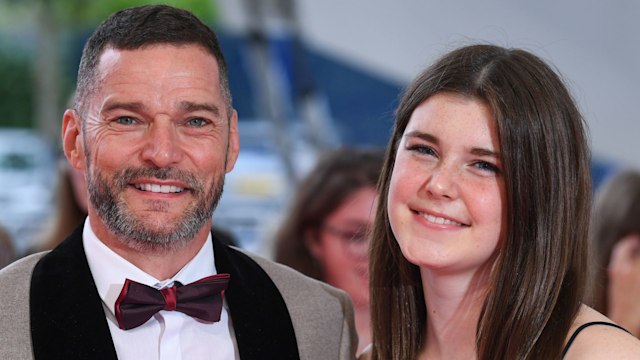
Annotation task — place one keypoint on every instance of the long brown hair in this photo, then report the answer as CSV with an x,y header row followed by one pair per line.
x,y
539,278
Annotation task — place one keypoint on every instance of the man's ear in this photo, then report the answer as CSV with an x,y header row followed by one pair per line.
x,y
234,141
72,143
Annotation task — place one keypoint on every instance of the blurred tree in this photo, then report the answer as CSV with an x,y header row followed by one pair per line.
x,y
89,13
16,93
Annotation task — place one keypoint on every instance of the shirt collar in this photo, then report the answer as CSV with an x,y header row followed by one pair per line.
x,y
110,270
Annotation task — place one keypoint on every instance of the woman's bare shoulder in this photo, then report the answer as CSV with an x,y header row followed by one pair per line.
x,y
600,341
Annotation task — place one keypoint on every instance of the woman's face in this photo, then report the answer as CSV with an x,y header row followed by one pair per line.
x,y
446,199
342,244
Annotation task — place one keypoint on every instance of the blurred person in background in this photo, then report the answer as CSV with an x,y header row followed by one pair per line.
x,y
7,252
325,233
615,236
70,208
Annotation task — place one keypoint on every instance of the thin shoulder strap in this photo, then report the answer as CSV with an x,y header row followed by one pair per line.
x,y
584,326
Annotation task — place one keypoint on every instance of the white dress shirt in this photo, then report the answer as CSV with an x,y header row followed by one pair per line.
x,y
168,335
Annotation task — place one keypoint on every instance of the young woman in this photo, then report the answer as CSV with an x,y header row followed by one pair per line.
x,y
325,234
479,247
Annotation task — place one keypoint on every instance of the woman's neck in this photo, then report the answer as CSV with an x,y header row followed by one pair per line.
x,y
453,305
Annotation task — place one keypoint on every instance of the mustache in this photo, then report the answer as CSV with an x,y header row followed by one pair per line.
x,y
127,175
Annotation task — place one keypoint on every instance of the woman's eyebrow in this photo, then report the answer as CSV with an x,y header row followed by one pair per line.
x,y
422,135
485,152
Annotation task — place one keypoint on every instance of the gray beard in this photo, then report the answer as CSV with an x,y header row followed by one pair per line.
x,y
105,196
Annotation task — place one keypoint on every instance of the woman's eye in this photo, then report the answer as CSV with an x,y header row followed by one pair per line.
x,y
423,149
197,122
125,120
487,166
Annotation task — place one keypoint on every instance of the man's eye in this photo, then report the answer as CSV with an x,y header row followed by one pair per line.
x,y
125,120
197,122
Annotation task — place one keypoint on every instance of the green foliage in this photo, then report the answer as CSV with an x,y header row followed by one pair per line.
x,y
16,91
89,13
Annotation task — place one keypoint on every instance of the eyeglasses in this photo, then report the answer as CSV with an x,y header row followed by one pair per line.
x,y
355,241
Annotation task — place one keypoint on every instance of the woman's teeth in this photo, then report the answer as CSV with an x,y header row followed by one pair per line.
x,y
440,220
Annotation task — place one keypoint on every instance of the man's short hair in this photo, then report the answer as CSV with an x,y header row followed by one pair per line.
x,y
139,27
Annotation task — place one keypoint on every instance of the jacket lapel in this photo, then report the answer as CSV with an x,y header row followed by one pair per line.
x,y
67,318
261,320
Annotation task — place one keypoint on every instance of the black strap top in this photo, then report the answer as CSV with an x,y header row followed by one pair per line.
x,y
582,327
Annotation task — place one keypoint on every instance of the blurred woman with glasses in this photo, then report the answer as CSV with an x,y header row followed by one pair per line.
x,y
325,234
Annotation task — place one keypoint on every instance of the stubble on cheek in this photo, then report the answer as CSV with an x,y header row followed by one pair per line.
x,y
144,231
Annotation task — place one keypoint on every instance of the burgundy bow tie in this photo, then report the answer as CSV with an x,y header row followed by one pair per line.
x,y
202,299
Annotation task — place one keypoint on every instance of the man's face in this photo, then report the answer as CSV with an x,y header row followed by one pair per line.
x,y
156,142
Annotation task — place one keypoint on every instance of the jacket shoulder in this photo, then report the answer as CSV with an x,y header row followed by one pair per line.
x,y
322,315
15,280
290,280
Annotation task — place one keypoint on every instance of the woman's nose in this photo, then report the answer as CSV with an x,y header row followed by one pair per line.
x,y
442,181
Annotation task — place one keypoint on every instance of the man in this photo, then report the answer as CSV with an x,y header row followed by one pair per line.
x,y
154,132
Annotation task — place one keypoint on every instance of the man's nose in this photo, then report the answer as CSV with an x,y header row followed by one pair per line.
x,y
162,146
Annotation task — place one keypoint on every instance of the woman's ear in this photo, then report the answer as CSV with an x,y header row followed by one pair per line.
x,y
72,143
313,242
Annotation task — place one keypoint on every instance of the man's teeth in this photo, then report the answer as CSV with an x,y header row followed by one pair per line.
x,y
440,221
165,189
